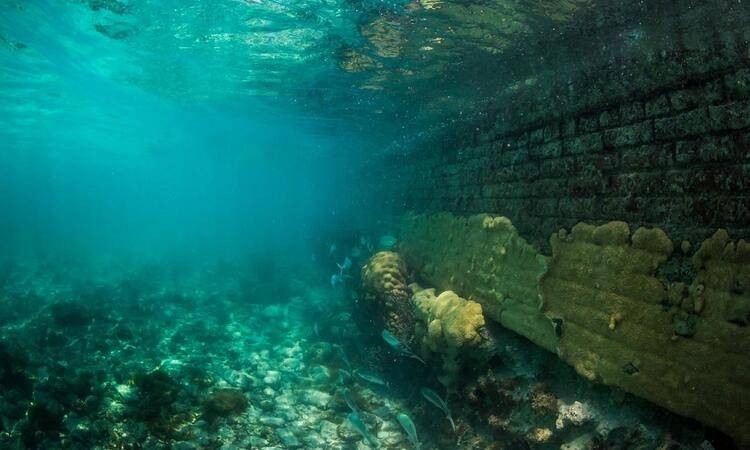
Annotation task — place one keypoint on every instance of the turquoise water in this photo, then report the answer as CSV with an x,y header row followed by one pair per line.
x,y
183,231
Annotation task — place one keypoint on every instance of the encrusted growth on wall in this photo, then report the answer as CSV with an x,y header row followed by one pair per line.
x,y
482,257
684,346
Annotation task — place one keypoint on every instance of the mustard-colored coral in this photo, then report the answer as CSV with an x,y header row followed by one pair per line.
x,y
386,294
674,344
482,257
385,275
451,327
723,278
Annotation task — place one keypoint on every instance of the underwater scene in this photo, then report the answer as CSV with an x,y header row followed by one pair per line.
x,y
375,224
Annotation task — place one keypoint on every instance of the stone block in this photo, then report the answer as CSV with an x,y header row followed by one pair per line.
x,y
689,123
635,134
732,116
585,144
656,107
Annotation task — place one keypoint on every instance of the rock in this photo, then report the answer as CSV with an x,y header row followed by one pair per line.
x,y
316,398
576,414
580,443
291,365
275,311
327,428
314,440
320,374
256,442
272,377
272,421
288,438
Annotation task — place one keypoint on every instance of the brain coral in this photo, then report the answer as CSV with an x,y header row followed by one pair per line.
x,y
386,295
449,326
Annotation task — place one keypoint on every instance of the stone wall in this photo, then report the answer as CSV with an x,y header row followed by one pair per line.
x,y
638,113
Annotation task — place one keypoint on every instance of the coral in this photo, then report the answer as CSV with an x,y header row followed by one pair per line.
x,y
543,402
451,327
155,405
539,435
621,325
484,258
721,288
385,34
576,414
224,403
386,295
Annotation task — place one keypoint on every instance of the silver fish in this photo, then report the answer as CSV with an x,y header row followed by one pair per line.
x,y
346,265
358,425
399,346
370,377
349,401
387,241
410,429
438,401
344,358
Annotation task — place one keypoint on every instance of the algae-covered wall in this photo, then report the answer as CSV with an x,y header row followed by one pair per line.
x,y
635,111
599,303
615,164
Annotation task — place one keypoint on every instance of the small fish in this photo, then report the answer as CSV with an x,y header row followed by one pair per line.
x,y
344,357
366,243
340,316
370,378
349,401
387,241
316,329
336,279
358,425
346,265
331,249
399,346
436,400
410,429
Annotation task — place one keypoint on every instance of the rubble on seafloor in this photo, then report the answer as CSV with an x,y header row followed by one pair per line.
x,y
195,360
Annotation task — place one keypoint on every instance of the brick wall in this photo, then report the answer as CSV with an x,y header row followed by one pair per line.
x,y
639,114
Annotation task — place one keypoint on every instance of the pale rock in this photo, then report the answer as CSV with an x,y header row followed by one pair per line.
x,y
272,421
327,428
316,398
272,377
576,413
288,438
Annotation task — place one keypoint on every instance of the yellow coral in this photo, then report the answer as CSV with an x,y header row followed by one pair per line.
x,y
386,294
453,326
385,274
